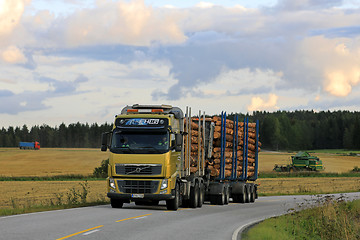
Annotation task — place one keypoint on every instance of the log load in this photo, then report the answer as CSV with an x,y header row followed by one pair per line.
x,y
213,164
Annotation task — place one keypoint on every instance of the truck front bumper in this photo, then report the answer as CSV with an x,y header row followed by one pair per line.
x,y
137,197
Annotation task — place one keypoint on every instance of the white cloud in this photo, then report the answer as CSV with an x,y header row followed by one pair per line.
x,y
12,54
205,5
10,14
339,83
338,64
259,104
129,23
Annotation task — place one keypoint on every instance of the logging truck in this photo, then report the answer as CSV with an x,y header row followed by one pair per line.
x,y
159,153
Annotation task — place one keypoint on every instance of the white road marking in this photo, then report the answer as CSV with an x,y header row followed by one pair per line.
x,y
90,232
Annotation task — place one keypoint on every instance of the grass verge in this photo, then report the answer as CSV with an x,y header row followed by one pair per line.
x,y
331,219
68,177
42,208
78,195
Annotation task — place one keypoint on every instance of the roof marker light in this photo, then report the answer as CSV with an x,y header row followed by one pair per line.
x,y
157,110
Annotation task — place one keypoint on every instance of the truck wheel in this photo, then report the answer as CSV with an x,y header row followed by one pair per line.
x,y
221,199
239,198
116,203
252,193
201,195
247,194
173,204
227,196
194,195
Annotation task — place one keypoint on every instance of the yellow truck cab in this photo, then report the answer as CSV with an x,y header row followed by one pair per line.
x,y
145,155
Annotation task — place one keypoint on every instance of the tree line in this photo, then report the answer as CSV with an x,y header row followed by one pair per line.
x,y
307,130
76,135
281,130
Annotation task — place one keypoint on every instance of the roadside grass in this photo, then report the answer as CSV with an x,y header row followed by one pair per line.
x,y
68,177
47,207
25,196
76,196
330,219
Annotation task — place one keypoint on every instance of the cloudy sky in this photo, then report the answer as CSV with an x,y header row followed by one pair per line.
x,y
84,60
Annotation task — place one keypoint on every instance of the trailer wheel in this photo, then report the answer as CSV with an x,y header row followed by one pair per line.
x,y
116,203
247,194
173,204
227,196
194,195
221,198
201,195
252,193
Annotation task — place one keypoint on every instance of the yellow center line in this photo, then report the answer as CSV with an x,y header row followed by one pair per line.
x,y
74,234
134,217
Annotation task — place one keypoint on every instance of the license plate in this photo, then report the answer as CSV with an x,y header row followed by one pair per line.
x,y
137,195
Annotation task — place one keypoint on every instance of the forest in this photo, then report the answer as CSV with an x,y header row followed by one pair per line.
x,y
281,130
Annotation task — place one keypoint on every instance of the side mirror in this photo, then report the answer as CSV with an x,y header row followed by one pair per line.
x,y
104,141
178,142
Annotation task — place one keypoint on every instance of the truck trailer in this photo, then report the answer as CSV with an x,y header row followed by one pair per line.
x,y
159,153
29,145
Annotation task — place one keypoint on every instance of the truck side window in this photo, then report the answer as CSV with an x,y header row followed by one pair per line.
x,y
172,141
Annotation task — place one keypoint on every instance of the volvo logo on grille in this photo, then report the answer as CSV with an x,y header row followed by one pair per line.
x,y
138,170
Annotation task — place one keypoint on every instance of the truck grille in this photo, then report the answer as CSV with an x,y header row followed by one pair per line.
x,y
137,186
138,169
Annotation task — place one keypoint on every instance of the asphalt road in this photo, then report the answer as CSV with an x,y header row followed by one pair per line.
x,y
150,222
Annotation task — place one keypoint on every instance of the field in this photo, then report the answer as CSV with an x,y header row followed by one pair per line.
x,y
49,162
54,162
334,162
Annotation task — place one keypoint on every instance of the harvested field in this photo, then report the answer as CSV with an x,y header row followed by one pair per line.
x,y
49,161
274,186
57,161
335,163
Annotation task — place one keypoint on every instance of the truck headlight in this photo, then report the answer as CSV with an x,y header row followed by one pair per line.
x,y
112,183
164,184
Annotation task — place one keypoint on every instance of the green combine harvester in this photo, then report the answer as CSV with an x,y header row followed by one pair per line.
x,y
302,161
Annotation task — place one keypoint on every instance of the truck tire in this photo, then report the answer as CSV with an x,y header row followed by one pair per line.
x,y
247,194
227,196
220,199
173,204
201,195
116,203
194,195
252,193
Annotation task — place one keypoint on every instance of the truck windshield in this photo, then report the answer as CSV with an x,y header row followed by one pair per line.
x,y
140,143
